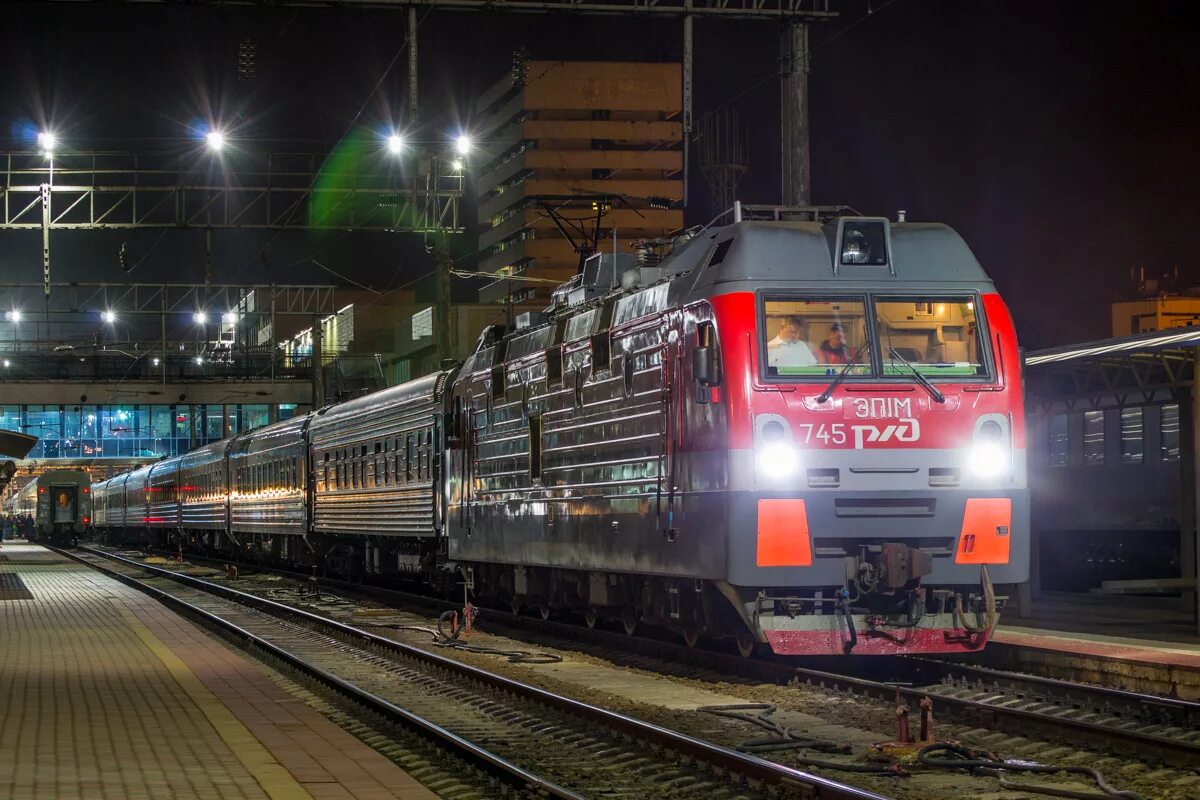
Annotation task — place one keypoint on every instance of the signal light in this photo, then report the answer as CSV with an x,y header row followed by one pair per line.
x,y
86,520
86,489
41,490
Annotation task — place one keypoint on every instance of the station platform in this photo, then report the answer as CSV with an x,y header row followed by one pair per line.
x,y
108,694
1137,643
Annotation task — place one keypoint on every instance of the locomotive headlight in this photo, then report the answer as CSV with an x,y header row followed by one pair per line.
x,y
988,459
856,249
777,460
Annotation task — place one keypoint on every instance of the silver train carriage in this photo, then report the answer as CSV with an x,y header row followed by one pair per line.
x,y
59,502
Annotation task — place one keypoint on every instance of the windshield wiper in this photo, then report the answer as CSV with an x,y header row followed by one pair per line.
x,y
921,379
841,376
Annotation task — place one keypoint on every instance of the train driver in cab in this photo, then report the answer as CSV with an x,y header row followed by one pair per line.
x,y
788,348
834,349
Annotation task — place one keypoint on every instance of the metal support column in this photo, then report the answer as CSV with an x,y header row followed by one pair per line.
x,y
1189,465
162,325
687,97
794,115
441,249
318,376
412,65
46,242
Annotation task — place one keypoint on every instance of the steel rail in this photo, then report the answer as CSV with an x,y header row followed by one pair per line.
x,y
1187,712
731,761
495,763
1012,721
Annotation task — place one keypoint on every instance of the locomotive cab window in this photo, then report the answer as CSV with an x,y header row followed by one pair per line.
x,y
940,337
809,337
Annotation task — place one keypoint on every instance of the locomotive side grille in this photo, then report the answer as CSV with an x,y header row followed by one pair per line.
x,y
885,506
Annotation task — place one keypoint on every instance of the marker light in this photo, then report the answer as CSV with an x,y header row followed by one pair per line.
x,y
199,360
47,140
214,139
457,165
228,318
777,460
987,459
462,145
109,317
154,361
395,143
200,318
12,316
7,363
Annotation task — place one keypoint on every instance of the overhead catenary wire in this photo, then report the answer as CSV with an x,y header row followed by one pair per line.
x,y
776,73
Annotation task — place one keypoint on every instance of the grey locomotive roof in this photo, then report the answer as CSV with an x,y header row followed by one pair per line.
x,y
767,254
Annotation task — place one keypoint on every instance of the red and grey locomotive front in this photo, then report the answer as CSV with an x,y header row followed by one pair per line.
x,y
877,487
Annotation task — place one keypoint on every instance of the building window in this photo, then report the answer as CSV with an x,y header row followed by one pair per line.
x,y
1093,438
1168,449
1132,445
1059,436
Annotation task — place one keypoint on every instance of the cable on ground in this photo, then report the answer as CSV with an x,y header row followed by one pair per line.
x,y
953,756
759,714
439,638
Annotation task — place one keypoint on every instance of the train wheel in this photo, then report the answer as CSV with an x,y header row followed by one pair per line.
x,y
629,621
691,635
746,644
591,616
544,611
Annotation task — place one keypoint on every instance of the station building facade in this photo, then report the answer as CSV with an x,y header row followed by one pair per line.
x,y
135,430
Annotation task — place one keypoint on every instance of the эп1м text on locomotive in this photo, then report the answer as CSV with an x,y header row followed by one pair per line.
x,y
58,503
804,431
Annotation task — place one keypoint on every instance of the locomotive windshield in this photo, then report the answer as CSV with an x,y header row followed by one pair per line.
x,y
817,337
937,336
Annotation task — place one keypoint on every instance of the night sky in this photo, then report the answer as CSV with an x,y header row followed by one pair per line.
x,y
1061,139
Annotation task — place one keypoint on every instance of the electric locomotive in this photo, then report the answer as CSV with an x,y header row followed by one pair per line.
x,y
60,504
801,430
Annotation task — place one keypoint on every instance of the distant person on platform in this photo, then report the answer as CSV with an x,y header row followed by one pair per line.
x,y
788,349
834,349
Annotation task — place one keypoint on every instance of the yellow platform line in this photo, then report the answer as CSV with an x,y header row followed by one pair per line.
x,y
273,777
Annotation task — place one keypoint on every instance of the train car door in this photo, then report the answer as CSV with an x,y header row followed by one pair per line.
x,y
66,501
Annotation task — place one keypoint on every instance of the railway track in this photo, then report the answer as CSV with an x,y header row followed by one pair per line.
x,y
1153,728
534,741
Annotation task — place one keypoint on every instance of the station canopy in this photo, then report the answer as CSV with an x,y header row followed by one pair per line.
x,y
14,444
1128,370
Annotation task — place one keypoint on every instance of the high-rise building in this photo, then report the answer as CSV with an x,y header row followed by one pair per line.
x,y
577,151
